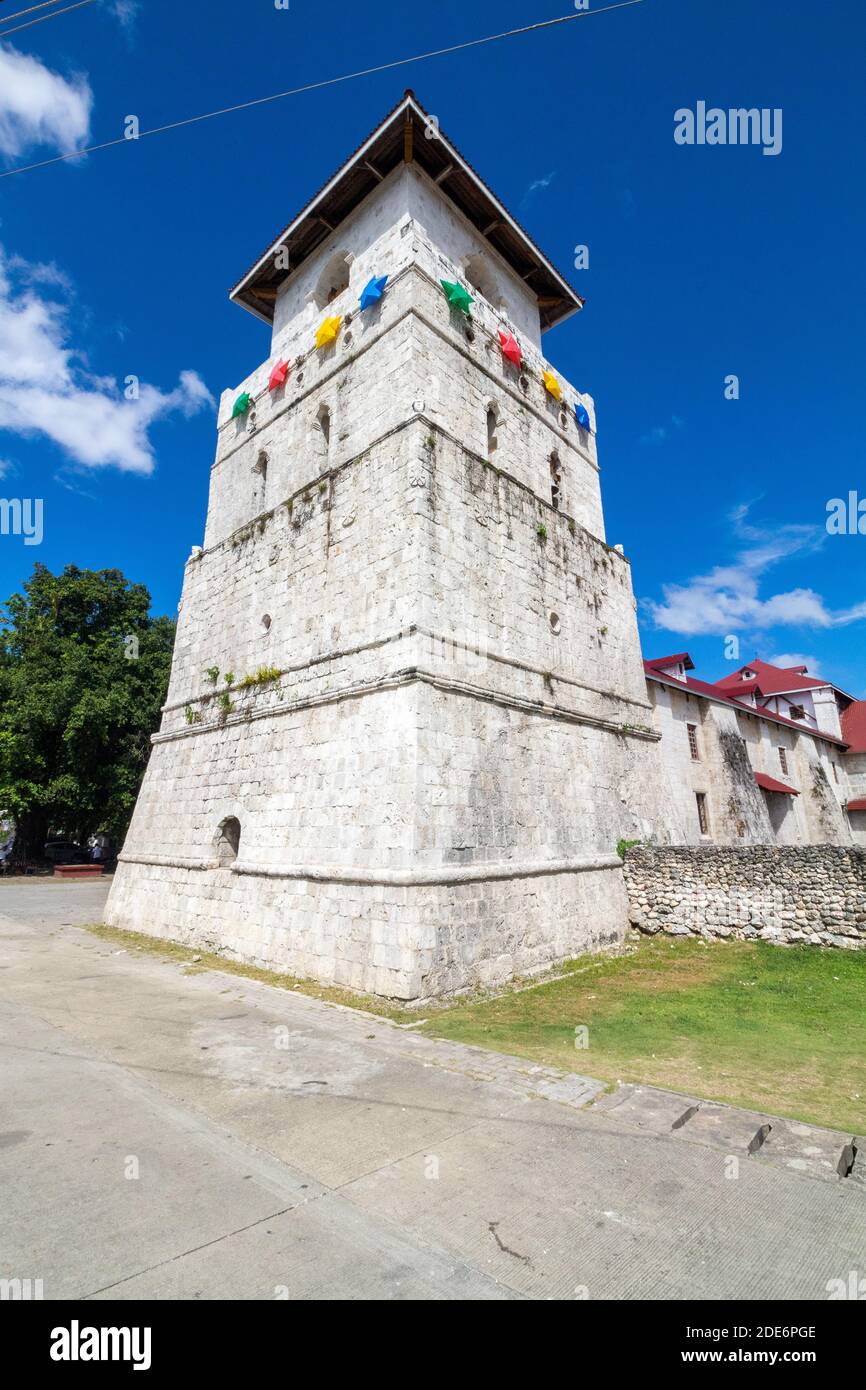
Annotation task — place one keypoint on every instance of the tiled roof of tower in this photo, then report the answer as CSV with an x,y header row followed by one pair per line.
x,y
854,726
400,138
691,686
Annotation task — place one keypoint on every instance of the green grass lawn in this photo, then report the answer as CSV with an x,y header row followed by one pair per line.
x,y
773,1028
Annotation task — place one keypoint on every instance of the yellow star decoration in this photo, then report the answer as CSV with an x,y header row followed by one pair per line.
x,y
552,385
328,331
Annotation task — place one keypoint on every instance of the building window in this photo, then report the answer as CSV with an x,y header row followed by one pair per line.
x,y
323,418
492,441
228,841
783,759
836,771
693,742
703,820
333,280
260,468
480,279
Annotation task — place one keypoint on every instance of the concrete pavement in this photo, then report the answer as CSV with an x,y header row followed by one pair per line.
x,y
176,1135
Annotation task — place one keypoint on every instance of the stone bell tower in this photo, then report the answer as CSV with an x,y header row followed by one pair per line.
x,y
407,721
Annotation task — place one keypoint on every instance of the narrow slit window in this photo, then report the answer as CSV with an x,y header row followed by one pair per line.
x,y
555,481
324,418
694,748
260,469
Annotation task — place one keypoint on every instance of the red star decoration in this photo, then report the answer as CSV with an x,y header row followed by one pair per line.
x,y
510,348
279,375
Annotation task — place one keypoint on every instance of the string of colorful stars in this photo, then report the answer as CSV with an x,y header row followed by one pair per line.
x,y
460,300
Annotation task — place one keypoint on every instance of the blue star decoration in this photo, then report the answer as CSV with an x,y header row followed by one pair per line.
x,y
582,416
373,292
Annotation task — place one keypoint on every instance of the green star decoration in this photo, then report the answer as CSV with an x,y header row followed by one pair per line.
x,y
242,404
457,296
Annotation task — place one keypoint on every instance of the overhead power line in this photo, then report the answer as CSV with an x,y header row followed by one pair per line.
x,y
31,9
316,86
19,14
42,18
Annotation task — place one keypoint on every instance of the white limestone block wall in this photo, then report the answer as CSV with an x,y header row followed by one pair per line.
x,y
855,777
734,746
416,814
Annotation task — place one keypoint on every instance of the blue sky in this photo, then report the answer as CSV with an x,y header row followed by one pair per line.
x,y
705,262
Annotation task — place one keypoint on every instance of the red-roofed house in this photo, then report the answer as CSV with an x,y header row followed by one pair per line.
x,y
854,734
751,759
791,691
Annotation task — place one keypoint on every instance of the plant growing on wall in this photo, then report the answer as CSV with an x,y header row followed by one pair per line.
x,y
213,674
263,676
623,846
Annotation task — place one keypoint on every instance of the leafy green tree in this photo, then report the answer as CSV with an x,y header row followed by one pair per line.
x,y
83,675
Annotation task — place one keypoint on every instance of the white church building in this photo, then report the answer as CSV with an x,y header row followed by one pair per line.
x,y
766,755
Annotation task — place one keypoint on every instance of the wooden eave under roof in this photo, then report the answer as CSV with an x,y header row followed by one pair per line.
x,y
400,139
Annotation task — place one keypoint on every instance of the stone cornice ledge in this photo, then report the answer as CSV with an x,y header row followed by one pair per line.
x,y
412,676
167,861
394,878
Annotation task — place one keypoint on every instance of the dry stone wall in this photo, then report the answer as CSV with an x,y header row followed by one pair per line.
x,y
813,894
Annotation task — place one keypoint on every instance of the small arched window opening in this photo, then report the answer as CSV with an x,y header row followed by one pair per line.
x,y
228,841
481,280
555,481
333,280
492,421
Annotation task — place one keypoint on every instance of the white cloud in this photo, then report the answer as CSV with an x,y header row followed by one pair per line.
x,y
40,107
45,389
126,12
728,599
537,186
790,659
659,433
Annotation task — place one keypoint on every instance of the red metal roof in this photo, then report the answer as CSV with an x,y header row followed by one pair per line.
x,y
770,680
854,726
672,661
858,805
770,784
714,692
